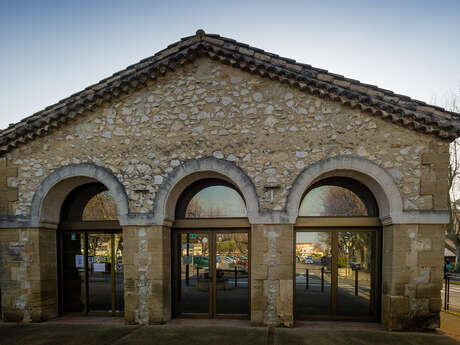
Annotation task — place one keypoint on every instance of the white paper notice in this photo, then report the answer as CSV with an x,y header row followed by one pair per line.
x,y
99,267
79,261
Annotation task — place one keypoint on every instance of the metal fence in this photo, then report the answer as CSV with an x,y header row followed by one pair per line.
x,y
451,292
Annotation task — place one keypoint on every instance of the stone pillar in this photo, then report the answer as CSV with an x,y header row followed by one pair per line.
x,y
272,274
147,264
412,276
28,274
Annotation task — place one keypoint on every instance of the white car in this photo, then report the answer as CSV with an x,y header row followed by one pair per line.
x,y
309,260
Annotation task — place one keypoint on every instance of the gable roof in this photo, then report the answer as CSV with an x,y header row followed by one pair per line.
x,y
399,109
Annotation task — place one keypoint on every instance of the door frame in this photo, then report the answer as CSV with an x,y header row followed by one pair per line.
x,y
334,225
211,227
85,227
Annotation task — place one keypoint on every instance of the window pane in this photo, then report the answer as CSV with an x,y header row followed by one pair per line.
x,y
119,274
216,201
102,206
313,273
332,201
232,280
73,272
99,273
356,273
193,273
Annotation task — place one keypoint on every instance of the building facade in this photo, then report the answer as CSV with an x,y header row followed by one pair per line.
x,y
208,163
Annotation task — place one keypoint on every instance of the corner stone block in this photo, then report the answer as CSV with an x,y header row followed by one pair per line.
x,y
435,305
28,274
285,303
412,276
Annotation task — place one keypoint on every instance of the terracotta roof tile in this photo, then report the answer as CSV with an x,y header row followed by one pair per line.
x,y
376,101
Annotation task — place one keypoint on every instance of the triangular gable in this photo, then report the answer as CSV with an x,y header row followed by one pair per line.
x,y
399,109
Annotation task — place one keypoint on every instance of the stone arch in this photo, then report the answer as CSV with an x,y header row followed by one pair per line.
x,y
375,178
50,195
194,170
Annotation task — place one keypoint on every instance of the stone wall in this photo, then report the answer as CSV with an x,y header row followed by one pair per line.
x,y
28,274
272,132
209,109
147,274
412,276
272,275
434,178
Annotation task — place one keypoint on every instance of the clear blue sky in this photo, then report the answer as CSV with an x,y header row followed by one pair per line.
x,y
51,49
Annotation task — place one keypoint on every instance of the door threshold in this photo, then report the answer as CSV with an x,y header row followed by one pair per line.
x,y
342,325
200,322
88,319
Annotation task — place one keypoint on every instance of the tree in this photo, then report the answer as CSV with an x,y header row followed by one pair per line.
x,y
197,209
453,228
225,247
100,207
452,103
340,201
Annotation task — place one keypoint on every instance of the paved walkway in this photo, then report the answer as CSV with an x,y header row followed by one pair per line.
x,y
107,330
450,324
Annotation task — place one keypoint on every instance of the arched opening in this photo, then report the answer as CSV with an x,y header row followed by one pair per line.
x,y
211,259
90,250
338,197
210,198
337,254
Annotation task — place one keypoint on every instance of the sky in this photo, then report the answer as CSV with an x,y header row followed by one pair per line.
x,y
52,49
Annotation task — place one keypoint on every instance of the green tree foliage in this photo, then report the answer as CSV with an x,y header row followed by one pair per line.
x,y
226,246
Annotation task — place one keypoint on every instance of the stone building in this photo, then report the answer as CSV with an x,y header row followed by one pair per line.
x,y
218,158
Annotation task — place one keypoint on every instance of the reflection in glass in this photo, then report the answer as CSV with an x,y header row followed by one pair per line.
x,y
119,273
99,272
194,273
332,201
232,253
216,201
313,273
102,206
73,272
103,263
355,273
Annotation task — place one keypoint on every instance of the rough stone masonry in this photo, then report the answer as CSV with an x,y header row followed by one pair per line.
x,y
271,130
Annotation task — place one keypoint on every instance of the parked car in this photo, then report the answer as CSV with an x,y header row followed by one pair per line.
x,y
201,261
355,265
242,260
309,260
229,260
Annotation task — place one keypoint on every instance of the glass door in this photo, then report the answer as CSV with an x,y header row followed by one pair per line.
x,y
100,268
193,273
92,272
211,273
313,262
73,277
356,273
336,274
231,286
